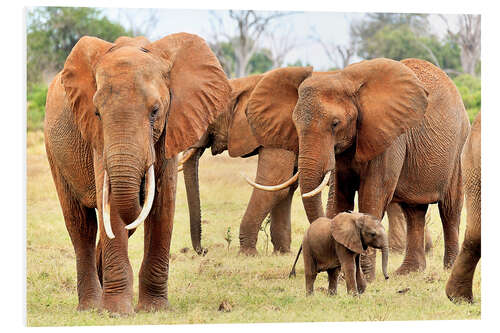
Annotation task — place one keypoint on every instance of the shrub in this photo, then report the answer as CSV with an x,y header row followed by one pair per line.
x,y
37,96
470,90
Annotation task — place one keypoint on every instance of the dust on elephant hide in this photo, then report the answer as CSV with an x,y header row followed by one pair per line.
x,y
231,131
459,285
389,130
116,116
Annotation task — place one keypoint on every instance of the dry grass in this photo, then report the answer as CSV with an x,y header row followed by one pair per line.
x,y
221,287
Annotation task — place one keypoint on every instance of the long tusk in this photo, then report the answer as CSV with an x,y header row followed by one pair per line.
x,y
187,155
105,207
274,187
148,201
319,188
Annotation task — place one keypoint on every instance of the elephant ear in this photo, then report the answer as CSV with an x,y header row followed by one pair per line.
x,y
390,99
271,105
78,80
346,229
241,140
199,89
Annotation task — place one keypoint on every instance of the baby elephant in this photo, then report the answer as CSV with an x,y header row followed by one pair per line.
x,y
332,244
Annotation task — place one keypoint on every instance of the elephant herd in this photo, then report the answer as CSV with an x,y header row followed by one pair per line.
x,y
118,114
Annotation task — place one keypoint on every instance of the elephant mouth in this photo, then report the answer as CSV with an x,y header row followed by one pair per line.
x,y
146,197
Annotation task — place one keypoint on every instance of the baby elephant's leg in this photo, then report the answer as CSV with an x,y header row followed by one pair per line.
x,y
360,278
333,276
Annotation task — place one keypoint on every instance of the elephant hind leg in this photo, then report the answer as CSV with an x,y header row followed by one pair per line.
x,y
333,277
449,210
459,285
281,229
415,249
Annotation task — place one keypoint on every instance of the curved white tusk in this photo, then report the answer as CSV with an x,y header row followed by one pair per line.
x,y
319,188
105,207
274,187
180,168
148,201
187,155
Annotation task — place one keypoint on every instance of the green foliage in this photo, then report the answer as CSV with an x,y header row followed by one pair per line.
x,y
260,62
394,36
228,237
36,106
470,90
298,63
53,31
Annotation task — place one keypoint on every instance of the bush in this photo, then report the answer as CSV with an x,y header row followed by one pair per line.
x,y
37,96
470,90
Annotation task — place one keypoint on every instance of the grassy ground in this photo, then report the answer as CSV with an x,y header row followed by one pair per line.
x,y
255,289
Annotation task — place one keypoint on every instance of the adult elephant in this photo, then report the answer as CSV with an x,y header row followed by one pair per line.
x,y
393,131
231,132
459,285
116,116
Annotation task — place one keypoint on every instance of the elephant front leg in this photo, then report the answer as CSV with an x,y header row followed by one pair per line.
x,y
153,276
360,278
348,264
281,229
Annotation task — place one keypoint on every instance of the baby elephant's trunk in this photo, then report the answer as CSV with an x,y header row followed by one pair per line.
x,y
385,260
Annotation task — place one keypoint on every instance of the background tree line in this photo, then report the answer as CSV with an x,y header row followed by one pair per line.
x,y
252,44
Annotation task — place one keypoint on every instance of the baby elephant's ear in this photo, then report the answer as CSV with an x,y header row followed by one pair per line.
x,y
346,229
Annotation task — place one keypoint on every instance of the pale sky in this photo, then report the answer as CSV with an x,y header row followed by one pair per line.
x,y
330,26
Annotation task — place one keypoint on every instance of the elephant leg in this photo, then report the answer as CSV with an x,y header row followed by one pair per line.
x,y
360,277
281,229
459,285
397,227
449,210
333,277
415,250
275,166
153,276
81,224
310,270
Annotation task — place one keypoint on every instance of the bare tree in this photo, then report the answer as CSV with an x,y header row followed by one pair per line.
x,y
280,46
339,55
468,37
250,26
141,22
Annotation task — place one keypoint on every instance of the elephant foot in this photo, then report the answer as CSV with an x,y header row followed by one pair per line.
x,y
153,304
459,292
90,304
281,251
248,251
407,268
118,305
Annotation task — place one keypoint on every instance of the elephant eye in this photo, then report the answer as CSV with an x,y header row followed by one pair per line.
x,y
154,113
334,124
97,114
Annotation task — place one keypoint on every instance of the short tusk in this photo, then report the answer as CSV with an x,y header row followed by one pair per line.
x,y
148,201
319,188
105,207
187,155
274,187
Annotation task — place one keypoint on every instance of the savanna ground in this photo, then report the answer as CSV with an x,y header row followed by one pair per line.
x,y
253,289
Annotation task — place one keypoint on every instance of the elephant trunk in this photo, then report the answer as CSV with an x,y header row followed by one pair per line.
x,y
385,259
312,170
125,179
193,195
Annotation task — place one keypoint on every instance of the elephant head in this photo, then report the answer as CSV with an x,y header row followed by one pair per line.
x,y
357,231
132,99
359,110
